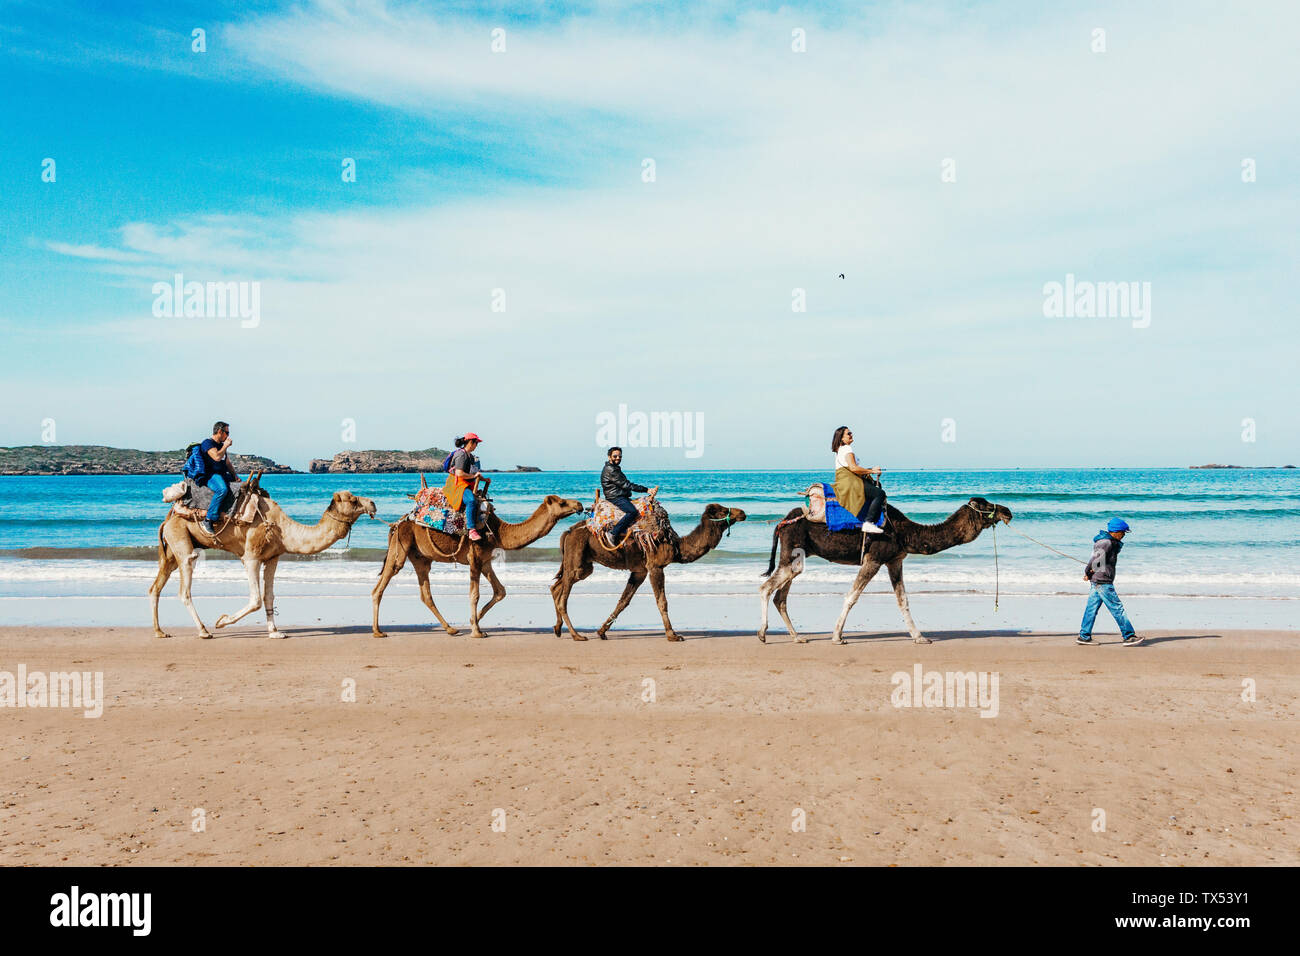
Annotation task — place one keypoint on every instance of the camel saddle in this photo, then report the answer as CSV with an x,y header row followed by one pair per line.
x,y
651,526
431,511
191,501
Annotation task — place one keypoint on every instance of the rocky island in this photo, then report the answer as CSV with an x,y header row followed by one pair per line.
x,y
384,461
103,460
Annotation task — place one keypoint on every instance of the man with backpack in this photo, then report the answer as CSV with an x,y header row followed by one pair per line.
x,y
209,466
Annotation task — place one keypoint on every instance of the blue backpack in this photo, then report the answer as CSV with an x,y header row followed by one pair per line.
x,y
193,467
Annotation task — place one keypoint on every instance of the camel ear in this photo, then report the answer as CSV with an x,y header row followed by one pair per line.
x,y
552,500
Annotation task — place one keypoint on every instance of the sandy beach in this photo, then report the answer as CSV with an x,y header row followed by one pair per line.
x,y
560,746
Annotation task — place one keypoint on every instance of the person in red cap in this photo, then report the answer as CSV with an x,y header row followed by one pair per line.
x,y
464,474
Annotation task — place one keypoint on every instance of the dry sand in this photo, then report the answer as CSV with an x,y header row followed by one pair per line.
x,y
556,735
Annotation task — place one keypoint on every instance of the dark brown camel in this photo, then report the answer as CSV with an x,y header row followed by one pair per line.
x,y
802,537
423,546
578,552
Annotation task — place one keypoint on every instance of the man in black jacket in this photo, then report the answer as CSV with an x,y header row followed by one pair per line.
x,y
617,489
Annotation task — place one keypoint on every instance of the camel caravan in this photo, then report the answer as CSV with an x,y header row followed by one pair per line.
x,y
847,521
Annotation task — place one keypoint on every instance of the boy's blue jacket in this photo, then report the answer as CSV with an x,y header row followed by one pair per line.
x,y
1105,552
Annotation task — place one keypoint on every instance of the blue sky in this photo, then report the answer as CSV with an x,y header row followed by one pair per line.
x,y
775,171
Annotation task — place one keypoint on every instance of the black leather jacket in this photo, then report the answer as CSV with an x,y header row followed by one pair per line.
x,y
614,484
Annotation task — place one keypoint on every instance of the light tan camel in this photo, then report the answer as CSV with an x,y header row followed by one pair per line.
x,y
578,551
423,546
258,545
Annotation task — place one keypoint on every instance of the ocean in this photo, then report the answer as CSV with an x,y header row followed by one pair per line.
x,y
1197,534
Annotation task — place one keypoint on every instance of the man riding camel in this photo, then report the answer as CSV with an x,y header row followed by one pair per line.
x,y
618,490
218,474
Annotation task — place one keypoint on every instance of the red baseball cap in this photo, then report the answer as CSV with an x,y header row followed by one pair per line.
x,y
470,436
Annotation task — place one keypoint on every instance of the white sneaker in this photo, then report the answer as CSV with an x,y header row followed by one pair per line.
x,y
870,528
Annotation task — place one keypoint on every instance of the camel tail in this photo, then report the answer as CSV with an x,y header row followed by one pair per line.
x,y
771,562
560,573
392,530
162,544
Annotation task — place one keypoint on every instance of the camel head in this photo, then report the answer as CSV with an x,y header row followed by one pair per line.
x,y
989,513
723,515
562,507
350,507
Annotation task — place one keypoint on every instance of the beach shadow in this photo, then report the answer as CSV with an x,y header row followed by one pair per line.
x,y
1180,637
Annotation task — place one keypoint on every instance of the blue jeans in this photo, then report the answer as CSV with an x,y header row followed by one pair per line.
x,y
1105,594
630,514
471,509
219,487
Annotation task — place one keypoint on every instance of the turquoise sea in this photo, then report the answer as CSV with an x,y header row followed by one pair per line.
x,y
1195,532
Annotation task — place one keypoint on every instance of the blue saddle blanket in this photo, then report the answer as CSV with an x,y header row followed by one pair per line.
x,y
839,518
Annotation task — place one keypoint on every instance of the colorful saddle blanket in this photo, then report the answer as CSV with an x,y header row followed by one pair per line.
x,y
651,526
838,518
431,511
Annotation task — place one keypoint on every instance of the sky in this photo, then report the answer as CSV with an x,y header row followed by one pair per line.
x,y
504,261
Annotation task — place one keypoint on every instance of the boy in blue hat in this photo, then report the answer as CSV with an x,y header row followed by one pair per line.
x,y
1101,573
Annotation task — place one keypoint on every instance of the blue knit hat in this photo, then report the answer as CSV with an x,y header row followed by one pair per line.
x,y
1117,524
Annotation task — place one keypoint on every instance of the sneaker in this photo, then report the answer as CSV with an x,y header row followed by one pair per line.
x,y
207,526
870,528
1083,640
474,535
1134,641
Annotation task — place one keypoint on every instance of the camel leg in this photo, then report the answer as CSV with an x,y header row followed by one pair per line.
x,y
775,588
167,563
421,564
868,571
896,579
474,572
634,581
252,567
562,599
498,589
187,575
657,582
268,597
780,598
393,562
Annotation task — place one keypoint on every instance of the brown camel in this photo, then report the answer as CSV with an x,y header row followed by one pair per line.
x,y
259,545
578,552
801,537
423,546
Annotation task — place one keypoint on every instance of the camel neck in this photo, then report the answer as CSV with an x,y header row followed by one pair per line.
x,y
702,539
535,526
308,538
960,527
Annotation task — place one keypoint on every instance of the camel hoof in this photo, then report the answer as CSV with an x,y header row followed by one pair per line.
x,y
275,635
601,634
378,634
799,640
922,640
675,637
557,630
838,640
762,636
453,631
478,634
161,635
205,635
579,637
